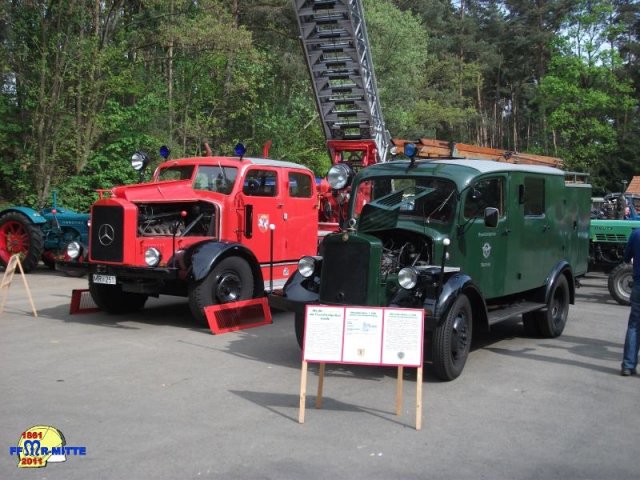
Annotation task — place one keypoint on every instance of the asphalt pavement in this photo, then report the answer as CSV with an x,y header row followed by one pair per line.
x,y
152,395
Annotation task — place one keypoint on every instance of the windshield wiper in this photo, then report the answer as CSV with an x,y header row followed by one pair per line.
x,y
440,206
224,175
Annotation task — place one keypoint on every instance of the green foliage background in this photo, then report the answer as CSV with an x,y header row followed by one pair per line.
x,y
84,84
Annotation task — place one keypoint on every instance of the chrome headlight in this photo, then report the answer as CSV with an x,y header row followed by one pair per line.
x,y
152,257
408,278
74,249
339,176
306,266
139,161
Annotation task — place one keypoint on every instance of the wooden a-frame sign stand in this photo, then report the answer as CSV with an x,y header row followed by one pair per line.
x,y
399,390
363,336
6,282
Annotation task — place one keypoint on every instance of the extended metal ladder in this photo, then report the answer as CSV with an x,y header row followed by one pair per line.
x,y
338,56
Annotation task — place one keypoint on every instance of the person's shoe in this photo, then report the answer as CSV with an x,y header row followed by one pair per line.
x,y
627,372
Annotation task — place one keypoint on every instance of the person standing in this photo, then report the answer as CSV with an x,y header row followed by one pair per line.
x,y
632,338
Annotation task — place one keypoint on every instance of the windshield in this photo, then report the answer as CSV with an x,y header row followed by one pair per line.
x,y
426,198
215,178
175,173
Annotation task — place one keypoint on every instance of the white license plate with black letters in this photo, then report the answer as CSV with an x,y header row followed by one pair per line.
x,y
104,279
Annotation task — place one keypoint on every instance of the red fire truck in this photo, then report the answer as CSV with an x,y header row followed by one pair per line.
x,y
214,229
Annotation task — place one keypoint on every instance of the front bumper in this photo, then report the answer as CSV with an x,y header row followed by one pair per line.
x,y
144,280
124,272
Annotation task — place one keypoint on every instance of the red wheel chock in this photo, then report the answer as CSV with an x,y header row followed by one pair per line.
x,y
82,302
230,317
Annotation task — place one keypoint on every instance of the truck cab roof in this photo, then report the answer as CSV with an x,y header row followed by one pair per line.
x,y
231,162
459,171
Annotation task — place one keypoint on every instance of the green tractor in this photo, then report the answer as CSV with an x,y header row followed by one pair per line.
x,y
42,235
611,225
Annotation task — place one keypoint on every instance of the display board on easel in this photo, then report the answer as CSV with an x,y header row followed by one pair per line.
x,y
363,336
12,264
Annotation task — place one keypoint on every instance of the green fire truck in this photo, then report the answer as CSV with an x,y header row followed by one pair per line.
x,y
472,242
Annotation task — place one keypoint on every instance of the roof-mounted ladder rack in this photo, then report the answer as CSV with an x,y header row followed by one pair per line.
x,y
337,51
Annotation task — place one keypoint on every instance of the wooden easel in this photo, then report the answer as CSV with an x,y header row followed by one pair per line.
x,y
6,282
399,389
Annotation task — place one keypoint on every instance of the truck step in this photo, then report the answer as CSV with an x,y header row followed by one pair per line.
x,y
504,313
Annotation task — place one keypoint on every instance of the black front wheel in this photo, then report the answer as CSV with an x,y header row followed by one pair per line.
x,y
229,281
620,283
452,340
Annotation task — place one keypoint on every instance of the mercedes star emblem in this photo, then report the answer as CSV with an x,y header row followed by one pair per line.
x,y
106,234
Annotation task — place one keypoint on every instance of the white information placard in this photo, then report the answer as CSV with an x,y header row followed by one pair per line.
x,y
403,337
362,335
323,334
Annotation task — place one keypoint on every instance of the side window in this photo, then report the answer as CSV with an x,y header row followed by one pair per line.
x,y
534,204
485,193
299,185
261,183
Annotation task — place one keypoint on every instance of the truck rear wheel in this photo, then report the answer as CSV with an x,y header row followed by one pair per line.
x,y
550,321
112,299
620,283
19,235
230,280
452,340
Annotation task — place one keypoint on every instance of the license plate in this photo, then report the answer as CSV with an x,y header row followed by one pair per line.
x,y
104,279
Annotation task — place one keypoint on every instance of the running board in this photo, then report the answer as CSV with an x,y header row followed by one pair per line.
x,y
500,314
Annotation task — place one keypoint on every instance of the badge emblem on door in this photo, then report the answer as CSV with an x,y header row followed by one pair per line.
x,y
263,222
486,250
